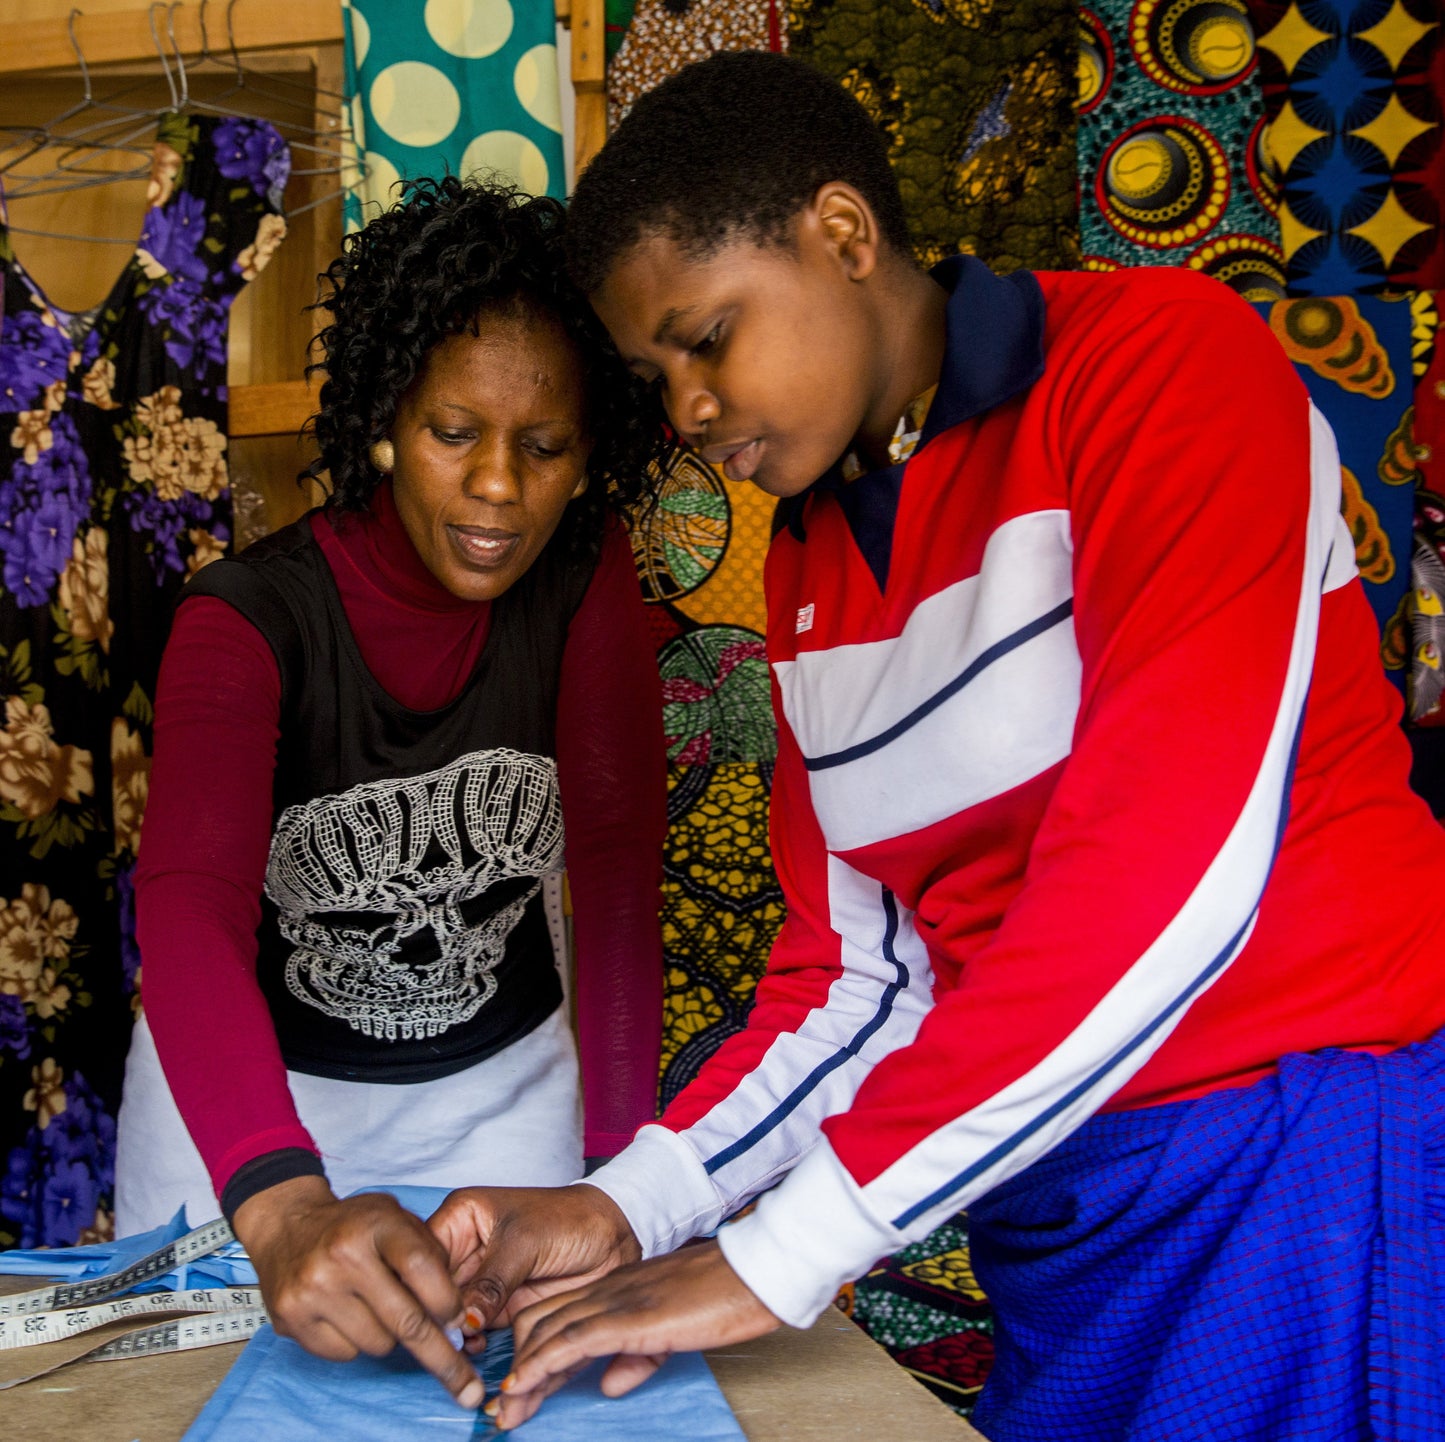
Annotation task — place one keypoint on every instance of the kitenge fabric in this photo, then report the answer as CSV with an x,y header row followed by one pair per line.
x,y
452,87
976,98
1353,91
1144,1250
113,489
1426,684
664,35
722,908
1354,356
699,552
924,1305
1172,165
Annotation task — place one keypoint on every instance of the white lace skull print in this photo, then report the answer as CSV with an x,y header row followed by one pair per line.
x,y
356,875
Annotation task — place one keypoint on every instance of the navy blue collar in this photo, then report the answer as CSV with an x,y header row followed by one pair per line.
x,y
993,350
994,340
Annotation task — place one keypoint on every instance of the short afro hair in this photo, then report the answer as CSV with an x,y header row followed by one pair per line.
x,y
731,147
448,253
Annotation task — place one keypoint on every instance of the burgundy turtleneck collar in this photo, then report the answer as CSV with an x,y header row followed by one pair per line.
x,y
376,543
420,642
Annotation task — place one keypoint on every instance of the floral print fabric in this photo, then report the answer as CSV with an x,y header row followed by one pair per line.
x,y
113,488
976,100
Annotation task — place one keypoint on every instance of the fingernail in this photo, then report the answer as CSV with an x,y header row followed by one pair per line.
x,y
472,1320
493,1407
455,1337
509,1381
472,1394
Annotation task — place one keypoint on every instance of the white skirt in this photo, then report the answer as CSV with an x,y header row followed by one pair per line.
x,y
512,1120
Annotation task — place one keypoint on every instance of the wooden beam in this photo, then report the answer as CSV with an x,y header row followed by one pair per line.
x,y
589,77
278,408
125,35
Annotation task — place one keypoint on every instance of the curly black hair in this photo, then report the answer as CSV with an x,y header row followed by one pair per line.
x,y
447,253
732,146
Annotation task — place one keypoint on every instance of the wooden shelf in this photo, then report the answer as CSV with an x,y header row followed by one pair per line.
x,y
277,408
125,35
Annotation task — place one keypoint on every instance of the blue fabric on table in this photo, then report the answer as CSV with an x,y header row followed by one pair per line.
x,y
1263,1263
277,1392
228,1267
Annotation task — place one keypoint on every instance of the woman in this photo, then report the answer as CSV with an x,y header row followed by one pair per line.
x,y
368,726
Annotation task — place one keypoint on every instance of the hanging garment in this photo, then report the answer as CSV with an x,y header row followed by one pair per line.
x,y
113,489
722,908
452,87
1353,89
1426,685
976,98
1354,358
699,553
1172,164
664,35
618,15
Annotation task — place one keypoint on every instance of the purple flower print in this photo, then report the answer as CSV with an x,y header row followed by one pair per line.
x,y
200,342
196,324
55,1178
252,151
84,1131
129,951
165,524
32,355
68,1200
14,1027
20,1188
41,507
171,305
173,234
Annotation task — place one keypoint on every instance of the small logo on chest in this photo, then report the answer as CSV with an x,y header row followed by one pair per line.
x,y
805,619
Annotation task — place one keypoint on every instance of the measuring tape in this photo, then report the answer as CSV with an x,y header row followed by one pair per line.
x,y
37,1327
189,1248
69,1309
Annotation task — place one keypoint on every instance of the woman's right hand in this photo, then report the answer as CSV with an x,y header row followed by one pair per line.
x,y
512,1246
359,1275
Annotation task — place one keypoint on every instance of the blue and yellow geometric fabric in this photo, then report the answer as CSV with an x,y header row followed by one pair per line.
x,y
1356,131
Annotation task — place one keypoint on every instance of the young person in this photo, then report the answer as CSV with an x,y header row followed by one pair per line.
x,y
369,727
1091,811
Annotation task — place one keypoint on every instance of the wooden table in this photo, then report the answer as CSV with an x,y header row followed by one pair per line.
x,y
828,1384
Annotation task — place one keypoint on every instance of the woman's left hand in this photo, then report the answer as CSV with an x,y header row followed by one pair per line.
x,y
359,1275
639,1314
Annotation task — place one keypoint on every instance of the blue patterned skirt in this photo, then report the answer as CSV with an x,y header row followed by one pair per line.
x,y
1264,1264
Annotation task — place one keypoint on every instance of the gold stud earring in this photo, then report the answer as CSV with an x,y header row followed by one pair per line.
x,y
383,456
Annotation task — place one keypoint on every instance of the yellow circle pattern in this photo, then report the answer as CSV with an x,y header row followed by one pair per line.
x,y
469,29
415,103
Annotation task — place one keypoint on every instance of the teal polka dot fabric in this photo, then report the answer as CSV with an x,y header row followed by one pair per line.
x,y
455,86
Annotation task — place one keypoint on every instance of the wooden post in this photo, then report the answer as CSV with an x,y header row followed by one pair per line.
x,y
589,77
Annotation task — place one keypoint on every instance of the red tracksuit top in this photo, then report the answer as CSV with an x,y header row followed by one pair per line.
x,y
1071,809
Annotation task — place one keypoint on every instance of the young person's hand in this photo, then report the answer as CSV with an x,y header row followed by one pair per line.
x,y
359,1275
511,1246
638,1315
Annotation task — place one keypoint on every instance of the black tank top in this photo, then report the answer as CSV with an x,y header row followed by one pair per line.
x,y
402,934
